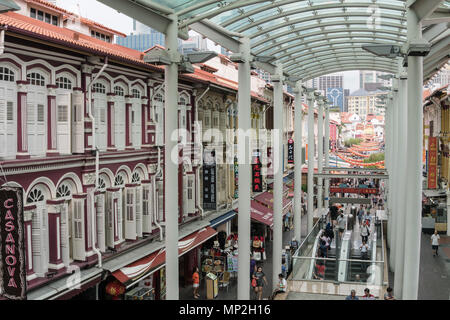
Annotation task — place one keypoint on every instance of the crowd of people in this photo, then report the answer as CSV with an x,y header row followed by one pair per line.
x,y
368,296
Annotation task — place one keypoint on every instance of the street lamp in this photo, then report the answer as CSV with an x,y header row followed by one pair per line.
x,y
163,57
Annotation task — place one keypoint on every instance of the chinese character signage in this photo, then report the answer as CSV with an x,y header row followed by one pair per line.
x,y
236,178
432,163
354,190
290,151
209,181
256,174
12,250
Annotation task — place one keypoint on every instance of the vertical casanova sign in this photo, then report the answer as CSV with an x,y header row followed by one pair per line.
x,y
12,244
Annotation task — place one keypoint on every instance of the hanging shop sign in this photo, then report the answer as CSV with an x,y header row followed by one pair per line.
x,y
290,151
12,244
432,163
354,190
209,181
256,173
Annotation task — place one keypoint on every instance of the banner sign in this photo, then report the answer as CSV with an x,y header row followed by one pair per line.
x,y
236,178
12,244
209,182
354,190
256,174
432,163
290,151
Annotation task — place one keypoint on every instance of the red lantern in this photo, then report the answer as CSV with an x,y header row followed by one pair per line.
x,y
115,289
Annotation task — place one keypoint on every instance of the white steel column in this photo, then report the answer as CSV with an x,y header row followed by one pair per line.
x,y
327,154
298,117
401,159
310,160
320,154
394,175
388,164
244,171
171,165
278,175
414,164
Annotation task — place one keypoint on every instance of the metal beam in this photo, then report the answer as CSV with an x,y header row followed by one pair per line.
x,y
351,175
216,35
434,31
424,8
326,34
278,35
342,59
144,14
346,68
350,200
441,15
355,65
355,169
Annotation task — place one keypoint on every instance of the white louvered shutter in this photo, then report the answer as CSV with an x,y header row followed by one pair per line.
x,y
65,246
147,208
101,235
109,232
191,193
78,242
129,213
138,211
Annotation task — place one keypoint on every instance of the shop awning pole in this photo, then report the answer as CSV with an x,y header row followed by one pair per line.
x,y
310,160
298,138
320,155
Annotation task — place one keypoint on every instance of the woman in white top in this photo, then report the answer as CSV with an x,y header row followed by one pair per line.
x,y
435,243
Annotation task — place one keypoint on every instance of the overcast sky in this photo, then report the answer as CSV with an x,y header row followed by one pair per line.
x,y
103,14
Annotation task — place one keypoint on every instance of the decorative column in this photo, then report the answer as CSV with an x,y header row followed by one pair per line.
x,y
327,154
54,235
414,165
310,159
128,124
170,165
52,139
111,123
402,162
388,141
22,130
298,118
244,125
278,134
320,154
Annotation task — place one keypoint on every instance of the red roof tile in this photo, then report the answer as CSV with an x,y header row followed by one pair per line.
x,y
49,5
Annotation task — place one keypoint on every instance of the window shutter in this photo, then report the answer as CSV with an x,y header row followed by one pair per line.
x,y
38,241
147,208
120,204
100,209
191,193
129,212
79,252
160,206
109,232
65,247
138,211
185,196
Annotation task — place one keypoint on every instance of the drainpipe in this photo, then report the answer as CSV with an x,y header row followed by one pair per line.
x,y
199,206
155,208
97,161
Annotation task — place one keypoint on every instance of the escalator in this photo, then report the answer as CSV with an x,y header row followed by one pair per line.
x,y
330,265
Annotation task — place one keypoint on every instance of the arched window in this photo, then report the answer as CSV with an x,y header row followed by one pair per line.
x,y
119,181
35,195
98,88
63,191
64,83
135,178
118,91
6,74
136,93
36,79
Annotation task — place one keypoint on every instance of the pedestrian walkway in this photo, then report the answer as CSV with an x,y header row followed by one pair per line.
x,y
231,293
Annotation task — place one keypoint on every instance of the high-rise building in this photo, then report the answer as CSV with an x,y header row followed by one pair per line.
x,y
142,38
370,76
330,81
441,78
362,102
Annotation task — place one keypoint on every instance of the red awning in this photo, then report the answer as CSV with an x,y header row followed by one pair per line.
x,y
266,198
261,213
142,267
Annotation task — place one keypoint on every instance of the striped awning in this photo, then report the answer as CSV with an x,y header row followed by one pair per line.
x,y
147,265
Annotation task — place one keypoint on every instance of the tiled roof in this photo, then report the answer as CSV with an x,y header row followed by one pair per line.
x,y
49,5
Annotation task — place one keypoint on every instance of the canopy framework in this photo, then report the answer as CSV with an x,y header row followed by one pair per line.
x,y
304,34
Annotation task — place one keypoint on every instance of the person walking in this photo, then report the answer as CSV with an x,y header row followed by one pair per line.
x,y
260,278
364,248
360,214
196,282
435,243
364,232
341,224
352,295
